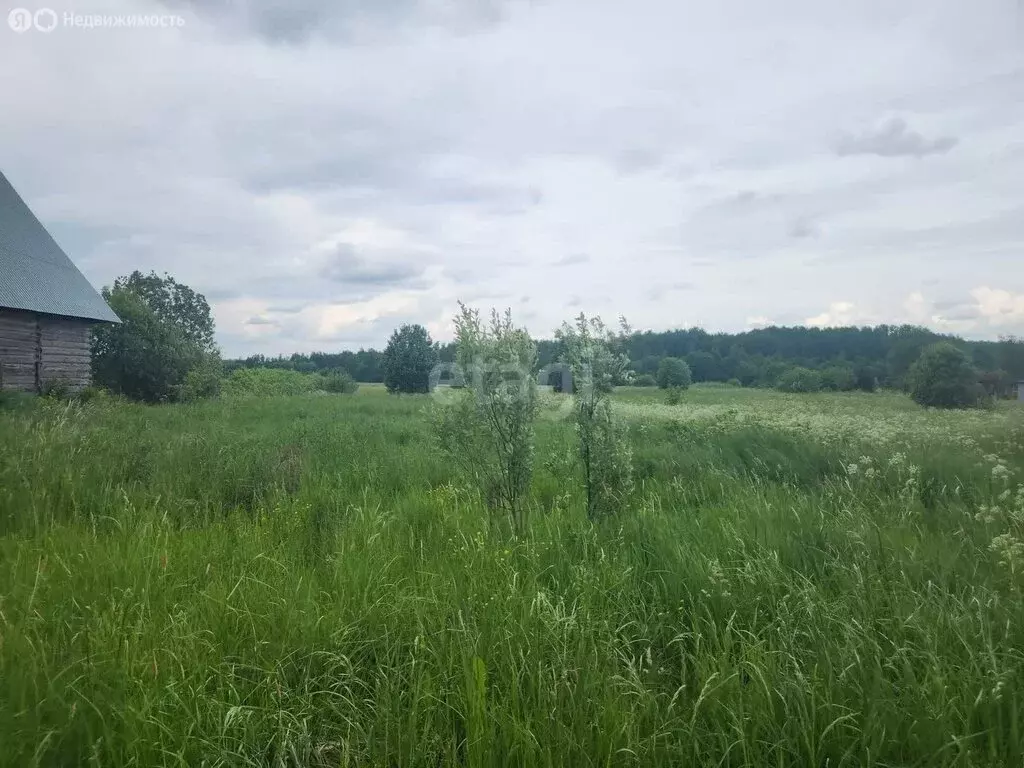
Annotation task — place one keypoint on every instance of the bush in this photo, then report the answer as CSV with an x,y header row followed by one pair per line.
x,y
203,380
799,379
675,396
838,378
267,382
488,429
597,359
674,373
734,383
943,377
57,389
340,382
645,380
409,358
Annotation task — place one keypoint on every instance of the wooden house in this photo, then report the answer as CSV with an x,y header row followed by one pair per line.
x,y
47,306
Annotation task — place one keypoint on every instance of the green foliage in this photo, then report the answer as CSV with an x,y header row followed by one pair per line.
x,y
943,377
409,358
269,382
645,380
340,382
799,379
596,358
674,396
488,428
203,380
174,304
828,581
674,373
144,357
838,378
57,389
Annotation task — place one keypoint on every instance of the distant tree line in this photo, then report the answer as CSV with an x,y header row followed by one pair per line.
x,y
795,358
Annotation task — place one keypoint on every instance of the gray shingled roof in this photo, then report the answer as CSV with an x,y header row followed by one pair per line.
x,y
35,274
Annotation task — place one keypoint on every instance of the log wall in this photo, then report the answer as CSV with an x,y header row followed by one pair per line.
x,y
38,349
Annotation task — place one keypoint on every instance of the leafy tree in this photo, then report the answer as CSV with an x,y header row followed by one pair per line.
x,y
144,357
943,377
597,359
488,427
645,380
409,358
838,378
800,379
705,366
175,304
674,373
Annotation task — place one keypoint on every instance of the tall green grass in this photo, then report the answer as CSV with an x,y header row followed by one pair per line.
x,y
305,581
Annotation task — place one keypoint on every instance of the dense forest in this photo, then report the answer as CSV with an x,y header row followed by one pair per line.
x,y
865,357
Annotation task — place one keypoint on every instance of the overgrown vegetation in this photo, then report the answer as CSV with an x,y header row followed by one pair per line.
x,y
873,357
163,348
594,355
488,427
305,581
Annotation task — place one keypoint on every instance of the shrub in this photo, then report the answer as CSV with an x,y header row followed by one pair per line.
x,y
799,379
734,383
645,380
340,382
943,377
488,430
674,373
674,396
838,378
57,389
203,380
595,356
267,382
409,358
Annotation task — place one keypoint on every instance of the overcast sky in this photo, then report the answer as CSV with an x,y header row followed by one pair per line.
x,y
324,170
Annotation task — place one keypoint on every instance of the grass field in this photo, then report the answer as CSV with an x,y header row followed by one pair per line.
x,y
798,581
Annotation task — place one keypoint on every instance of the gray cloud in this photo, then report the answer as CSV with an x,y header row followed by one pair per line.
x,y
462,151
348,267
893,139
260,320
296,21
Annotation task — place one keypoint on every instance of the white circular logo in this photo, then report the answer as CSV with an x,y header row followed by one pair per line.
x,y
45,20
20,20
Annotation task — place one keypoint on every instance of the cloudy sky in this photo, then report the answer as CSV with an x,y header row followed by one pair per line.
x,y
324,170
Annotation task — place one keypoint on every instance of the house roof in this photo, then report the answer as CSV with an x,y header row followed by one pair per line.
x,y
35,274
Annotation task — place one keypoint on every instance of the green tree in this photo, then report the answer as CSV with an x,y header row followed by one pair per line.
x,y
674,373
165,334
943,377
838,378
143,358
596,356
409,358
799,379
175,304
488,427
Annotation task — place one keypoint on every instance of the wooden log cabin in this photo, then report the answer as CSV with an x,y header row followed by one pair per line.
x,y
47,307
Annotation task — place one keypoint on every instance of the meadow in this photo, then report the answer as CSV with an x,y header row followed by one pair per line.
x,y
797,580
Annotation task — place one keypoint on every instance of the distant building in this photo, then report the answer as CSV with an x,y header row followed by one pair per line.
x,y
46,305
